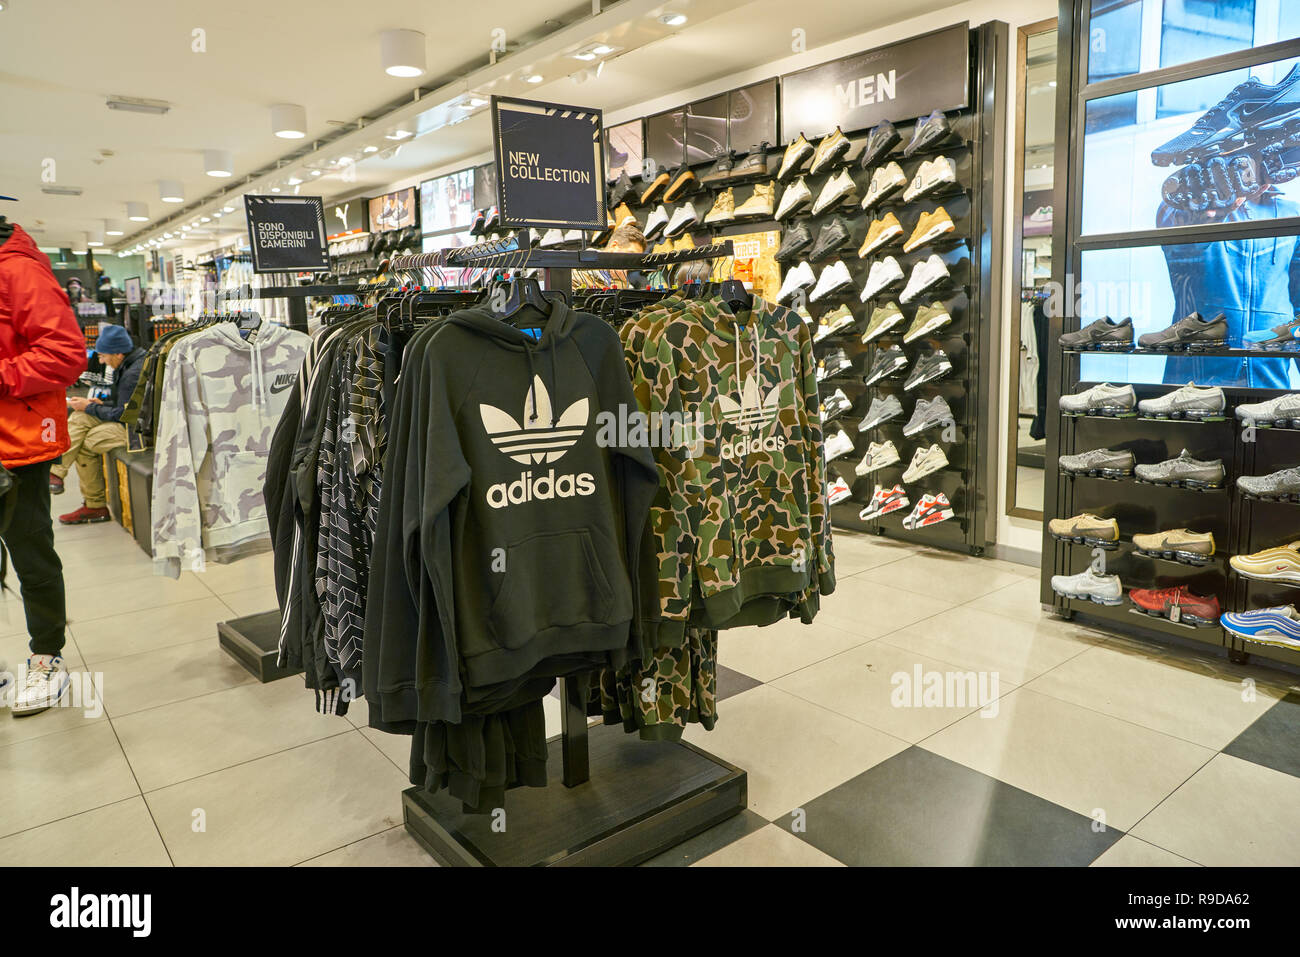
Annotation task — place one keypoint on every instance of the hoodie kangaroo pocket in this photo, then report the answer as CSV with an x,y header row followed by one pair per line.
x,y
552,579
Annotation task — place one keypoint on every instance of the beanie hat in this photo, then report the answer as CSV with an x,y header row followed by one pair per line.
x,y
113,339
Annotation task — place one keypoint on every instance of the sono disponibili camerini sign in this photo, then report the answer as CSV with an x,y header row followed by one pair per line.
x,y
287,233
550,164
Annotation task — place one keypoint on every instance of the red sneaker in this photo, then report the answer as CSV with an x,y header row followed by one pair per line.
x,y
1177,604
85,516
56,485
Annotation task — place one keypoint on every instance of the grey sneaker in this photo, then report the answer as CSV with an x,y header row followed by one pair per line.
x,y
1183,471
1189,334
1088,585
1281,486
881,411
1098,462
927,415
1104,399
1283,412
1189,402
1104,335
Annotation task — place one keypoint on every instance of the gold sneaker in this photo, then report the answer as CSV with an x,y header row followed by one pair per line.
x,y
929,228
831,148
1271,565
684,242
1086,529
761,203
623,216
664,247
1181,545
724,208
795,154
881,232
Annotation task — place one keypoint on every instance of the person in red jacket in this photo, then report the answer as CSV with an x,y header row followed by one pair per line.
x,y
42,352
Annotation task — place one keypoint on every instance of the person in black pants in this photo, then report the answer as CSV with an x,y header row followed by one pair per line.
x,y
42,352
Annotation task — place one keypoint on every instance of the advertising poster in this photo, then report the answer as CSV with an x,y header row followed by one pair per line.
x,y
395,210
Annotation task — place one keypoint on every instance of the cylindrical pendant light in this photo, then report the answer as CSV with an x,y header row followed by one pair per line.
x,y
218,163
402,52
95,237
113,227
80,246
137,212
170,191
289,121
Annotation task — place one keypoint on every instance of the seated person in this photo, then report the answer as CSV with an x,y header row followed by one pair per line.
x,y
95,426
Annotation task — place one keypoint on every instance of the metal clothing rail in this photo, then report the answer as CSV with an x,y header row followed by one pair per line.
x,y
507,254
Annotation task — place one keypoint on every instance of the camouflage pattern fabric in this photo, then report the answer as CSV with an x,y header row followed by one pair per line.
x,y
221,400
657,698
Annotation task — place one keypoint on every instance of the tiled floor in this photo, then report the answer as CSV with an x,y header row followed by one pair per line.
x,y
932,715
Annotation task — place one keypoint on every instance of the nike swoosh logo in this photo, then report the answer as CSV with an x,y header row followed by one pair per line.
x,y
280,387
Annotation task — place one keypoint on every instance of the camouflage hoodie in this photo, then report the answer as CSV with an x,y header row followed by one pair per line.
x,y
221,399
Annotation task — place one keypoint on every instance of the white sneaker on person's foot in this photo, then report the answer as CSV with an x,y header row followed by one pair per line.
x,y
44,684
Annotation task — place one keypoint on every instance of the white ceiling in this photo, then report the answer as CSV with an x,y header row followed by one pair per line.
x,y
261,52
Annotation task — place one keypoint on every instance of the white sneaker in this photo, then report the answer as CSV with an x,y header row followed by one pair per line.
x,y
924,275
884,181
573,236
835,276
837,188
930,510
800,277
884,273
931,175
552,237
45,683
836,404
795,195
925,462
838,491
879,455
684,218
657,221
1102,589
837,443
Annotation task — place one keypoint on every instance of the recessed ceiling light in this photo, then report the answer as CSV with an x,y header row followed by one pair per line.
x,y
167,235
397,135
673,19
601,49
218,213
289,121
227,209
294,181
314,172
218,163
534,78
275,189
584,55
370,149
402,52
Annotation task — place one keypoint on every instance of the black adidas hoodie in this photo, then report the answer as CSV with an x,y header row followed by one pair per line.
x,y
530,512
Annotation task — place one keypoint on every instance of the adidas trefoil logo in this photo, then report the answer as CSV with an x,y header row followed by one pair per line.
x,y
537,440
749,413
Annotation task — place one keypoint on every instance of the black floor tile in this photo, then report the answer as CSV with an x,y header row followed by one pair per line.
x,y
714,839
1274,739
733,682
918,809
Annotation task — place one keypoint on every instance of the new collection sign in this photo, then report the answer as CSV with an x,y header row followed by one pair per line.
x,y
287,233
897,82
550,164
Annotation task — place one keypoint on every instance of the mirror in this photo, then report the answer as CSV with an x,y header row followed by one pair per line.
x,y
1031,266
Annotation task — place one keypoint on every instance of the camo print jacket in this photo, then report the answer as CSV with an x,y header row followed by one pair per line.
x,y
740,523
222,397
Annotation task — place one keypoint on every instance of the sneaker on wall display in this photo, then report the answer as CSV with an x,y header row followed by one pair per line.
x,y
929,227
1177,544
1086,529
882,138
930,510
796,239
879,455
1104,399
1090,586
550,238
655,187
1177,604
1189,334
1278,626
831,148
884,273
837,444
838,491
836,361
655,224
831,237
682,183
882,232
1103,463
1280,486
754,162
927,414
837,189
724,208
884,501
928,319
1104,335
1183,471
930,366
760,202
1285,337
931,176
1189,402
889,362
800,277
883,318
925,461
882,410
834,278
836,404
795,195
683,219
932,130
885,181
833,322
1282,412
926,274
795,154
721,168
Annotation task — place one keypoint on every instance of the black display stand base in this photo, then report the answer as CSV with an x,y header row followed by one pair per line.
x,y
643,798
254,642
